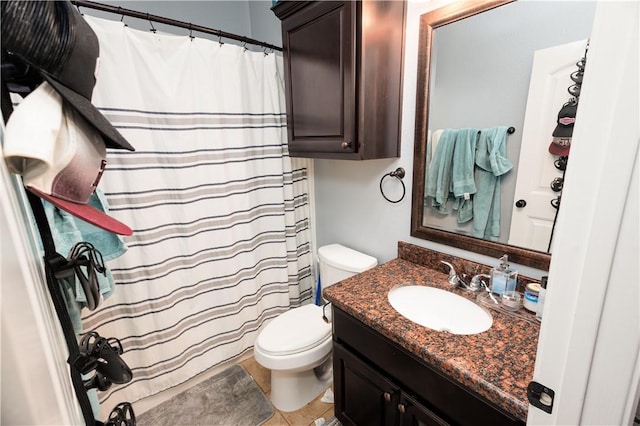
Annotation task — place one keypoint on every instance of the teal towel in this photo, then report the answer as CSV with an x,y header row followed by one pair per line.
x,y
67,230
463,183
438,183
492,164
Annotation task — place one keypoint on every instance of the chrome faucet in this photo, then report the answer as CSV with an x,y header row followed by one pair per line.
x,y
453,275
476,283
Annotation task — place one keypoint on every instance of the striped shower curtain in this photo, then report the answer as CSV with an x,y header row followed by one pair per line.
x,y
220,215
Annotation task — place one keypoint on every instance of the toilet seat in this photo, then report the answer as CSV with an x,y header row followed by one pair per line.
x,y
294,331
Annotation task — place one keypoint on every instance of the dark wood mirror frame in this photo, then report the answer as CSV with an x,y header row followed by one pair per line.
x,y
428,22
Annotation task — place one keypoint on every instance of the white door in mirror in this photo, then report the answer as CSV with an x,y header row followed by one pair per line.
x,y
439,310
532,221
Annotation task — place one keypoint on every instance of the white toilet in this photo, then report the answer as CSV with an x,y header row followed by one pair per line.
x,y
296,345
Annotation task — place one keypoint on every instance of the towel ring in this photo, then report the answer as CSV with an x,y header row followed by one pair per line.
x,y
398,174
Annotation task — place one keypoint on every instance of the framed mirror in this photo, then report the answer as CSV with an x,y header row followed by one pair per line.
x,y
474,72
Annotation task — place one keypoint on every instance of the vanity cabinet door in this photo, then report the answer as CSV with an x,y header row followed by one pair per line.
x,y
426,396
412,413
362,395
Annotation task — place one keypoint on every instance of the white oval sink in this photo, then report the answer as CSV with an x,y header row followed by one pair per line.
x,y
439,309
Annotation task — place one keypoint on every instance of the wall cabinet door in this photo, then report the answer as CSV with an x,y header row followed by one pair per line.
x,y
320,70
343,77
362,395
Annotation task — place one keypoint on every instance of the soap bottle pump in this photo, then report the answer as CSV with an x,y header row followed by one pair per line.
x,y
503,279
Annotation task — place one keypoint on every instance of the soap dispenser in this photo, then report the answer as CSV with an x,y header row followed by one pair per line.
x,y
503,279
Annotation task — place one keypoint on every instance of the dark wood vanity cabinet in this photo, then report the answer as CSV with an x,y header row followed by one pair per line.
x,y
363,396
343,64
376,382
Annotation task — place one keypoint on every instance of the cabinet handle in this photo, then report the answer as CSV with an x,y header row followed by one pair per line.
x,y
401,408
387,396
345,145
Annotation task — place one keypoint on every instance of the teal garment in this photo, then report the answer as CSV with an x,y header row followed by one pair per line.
x,y
67,230
438,183
492,162
463,184
93,397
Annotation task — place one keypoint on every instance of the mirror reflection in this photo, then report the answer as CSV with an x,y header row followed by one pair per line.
x,y
495,80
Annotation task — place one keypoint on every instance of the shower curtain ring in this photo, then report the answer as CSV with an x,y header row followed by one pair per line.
x,y
153,30
122,16
220,39
191,32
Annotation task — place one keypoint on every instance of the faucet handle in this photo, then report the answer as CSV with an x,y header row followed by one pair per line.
x,y
477,283
453,276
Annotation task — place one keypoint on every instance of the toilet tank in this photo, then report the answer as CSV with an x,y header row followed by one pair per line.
x,y
338,262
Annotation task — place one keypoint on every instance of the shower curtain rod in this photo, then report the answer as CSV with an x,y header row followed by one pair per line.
x,y
162,20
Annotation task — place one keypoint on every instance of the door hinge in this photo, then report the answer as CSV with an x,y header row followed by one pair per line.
x,y
540,396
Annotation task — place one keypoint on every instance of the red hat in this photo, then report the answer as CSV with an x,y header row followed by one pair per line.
x,y
563,132
560,146
60,156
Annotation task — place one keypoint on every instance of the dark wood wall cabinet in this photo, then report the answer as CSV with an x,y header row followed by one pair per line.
x,y
376,382
343,63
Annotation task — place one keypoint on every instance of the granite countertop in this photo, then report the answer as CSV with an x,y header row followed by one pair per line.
x,y
497,364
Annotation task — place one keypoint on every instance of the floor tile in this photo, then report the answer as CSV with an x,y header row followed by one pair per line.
x,y
307,414
276,420
261,375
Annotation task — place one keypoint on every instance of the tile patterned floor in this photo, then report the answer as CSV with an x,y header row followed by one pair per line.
x,y
305,416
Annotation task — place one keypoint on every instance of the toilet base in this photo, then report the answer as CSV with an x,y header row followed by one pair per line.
x,y
291,391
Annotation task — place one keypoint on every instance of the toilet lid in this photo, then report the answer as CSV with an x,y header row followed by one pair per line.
x,y
294,331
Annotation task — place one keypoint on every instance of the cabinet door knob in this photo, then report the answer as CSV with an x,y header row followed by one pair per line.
x,y
387,396
401,408
345,145
521,203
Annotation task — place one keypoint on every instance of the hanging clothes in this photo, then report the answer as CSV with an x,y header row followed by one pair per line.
x,y
438,184
463,184
450,175
492,164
